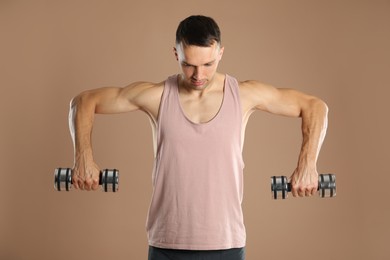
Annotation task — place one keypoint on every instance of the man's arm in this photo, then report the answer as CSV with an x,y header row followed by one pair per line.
x,y
109,100
312,110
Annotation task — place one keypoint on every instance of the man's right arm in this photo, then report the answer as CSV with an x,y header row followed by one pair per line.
x,y
109,100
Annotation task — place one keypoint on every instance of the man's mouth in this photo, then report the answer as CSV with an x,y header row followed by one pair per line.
x,y
197,82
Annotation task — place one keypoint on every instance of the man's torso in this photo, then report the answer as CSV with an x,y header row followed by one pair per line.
x,y
198,108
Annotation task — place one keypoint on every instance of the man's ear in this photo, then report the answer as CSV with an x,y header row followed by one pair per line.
x,y
221,52
175,52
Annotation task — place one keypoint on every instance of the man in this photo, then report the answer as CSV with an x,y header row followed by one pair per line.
x,y
198,119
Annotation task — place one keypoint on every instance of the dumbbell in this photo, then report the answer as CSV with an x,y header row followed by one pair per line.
x,y
326,186
108,179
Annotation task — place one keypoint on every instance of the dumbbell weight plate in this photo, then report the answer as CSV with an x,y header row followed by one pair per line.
x,y
62,179
109,180
327,185
280,187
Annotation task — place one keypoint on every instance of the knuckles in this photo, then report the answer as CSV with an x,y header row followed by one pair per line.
x,y
89,183
299,190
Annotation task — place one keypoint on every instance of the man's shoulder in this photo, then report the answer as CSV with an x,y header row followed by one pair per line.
x,y
146,95
141,88
143,92
156,86
254,92
144,85
251,86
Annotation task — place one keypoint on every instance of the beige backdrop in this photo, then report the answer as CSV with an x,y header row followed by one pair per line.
x,y
52,50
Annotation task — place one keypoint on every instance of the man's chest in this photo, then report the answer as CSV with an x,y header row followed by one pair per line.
x,y
201,109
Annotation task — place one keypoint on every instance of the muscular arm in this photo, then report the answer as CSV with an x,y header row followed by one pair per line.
x,y
137,96
313,112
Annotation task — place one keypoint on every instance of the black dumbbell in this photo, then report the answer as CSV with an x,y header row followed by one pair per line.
x,y
108,179
326,186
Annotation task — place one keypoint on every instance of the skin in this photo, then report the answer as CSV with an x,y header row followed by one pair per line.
x,y
200,94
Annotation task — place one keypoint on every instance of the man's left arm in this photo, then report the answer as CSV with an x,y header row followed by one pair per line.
x,y
314,114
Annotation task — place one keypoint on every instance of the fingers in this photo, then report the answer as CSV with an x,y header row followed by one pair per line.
x,y
304,182
303,190
87,181
89,185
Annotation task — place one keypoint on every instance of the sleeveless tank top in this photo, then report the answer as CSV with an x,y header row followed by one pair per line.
x,y
197,176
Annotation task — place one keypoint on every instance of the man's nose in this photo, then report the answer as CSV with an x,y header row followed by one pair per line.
x,y
198,73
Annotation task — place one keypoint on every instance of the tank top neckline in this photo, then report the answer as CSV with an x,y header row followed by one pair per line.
x,y
216,114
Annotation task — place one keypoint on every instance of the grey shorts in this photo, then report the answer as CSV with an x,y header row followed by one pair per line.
x,y
156,253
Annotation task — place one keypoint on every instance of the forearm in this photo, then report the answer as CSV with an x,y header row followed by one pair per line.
x,y
81,118
314,124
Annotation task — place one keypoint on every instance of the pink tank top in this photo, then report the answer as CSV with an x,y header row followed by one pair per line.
x,y
197,176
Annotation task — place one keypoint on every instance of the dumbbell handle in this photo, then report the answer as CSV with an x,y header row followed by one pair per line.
x,y
108,179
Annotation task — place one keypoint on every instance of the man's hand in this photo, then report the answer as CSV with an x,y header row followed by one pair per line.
x,y
304,182
85,174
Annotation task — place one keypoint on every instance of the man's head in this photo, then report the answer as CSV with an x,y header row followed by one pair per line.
x,y
198,30
198,50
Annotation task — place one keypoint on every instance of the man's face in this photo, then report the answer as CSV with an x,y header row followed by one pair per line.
x,y
199,64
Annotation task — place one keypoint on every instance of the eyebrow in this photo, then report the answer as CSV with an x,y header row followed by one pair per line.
x,y
188,64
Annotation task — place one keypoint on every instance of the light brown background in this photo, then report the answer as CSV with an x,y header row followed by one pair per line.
x,y
52,50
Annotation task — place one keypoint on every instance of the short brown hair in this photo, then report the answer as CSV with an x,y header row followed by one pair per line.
x,y
198,30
